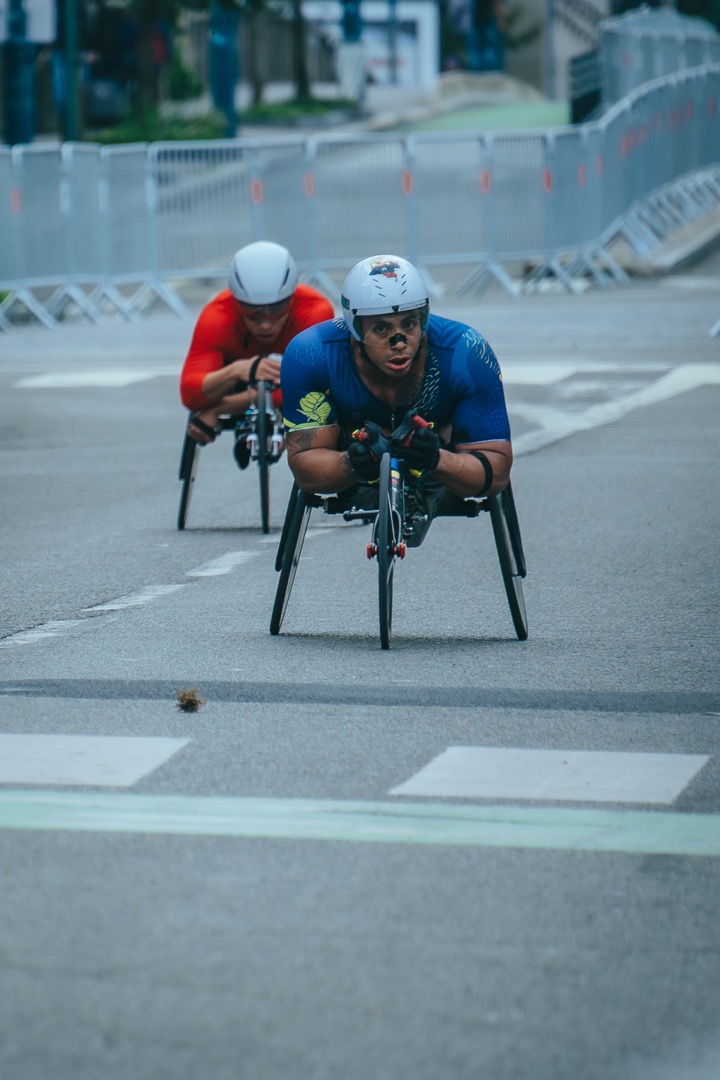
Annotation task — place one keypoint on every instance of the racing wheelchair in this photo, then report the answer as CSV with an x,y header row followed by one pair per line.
x,y
259,432
400,521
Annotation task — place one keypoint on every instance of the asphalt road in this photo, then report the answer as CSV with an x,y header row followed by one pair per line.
x,y
260,902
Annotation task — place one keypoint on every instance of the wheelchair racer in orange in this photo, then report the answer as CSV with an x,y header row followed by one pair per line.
x,y
240,336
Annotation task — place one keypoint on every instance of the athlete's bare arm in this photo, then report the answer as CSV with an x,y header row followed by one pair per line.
x,y
464,475
315,461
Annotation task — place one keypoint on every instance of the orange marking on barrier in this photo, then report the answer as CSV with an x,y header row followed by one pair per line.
x,y
407,182
485,181
582,175
256,191
548,180
16,200
309,184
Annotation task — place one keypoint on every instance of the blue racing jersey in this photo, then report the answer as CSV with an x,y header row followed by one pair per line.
x,y
462,384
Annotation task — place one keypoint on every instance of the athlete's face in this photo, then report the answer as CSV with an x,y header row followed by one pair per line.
x,y
267,323
392,341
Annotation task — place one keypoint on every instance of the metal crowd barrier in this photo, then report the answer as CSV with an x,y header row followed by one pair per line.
x,y
646,43
115,228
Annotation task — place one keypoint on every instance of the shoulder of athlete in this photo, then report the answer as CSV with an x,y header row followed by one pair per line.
x,y
311,341
217,323
308,306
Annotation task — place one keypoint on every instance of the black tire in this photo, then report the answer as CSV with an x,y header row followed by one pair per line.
x,y
386,552
512,577
262,455
188,468
291,556
294,492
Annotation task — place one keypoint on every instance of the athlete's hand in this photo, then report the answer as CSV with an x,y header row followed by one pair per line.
x,y
368,445
266,368
422,451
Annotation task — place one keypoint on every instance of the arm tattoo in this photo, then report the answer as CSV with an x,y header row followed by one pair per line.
x,y
302,440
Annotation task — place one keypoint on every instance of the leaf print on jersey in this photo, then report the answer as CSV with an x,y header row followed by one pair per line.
x,y
315,406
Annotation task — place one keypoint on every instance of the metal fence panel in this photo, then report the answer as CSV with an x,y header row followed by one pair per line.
x,y
212,198
41,253
449,195
360,202
128,217
517,167
85,253
574,195
9,208
281,191
643,45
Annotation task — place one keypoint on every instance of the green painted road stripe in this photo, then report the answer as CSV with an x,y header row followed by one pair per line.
x,y
563,829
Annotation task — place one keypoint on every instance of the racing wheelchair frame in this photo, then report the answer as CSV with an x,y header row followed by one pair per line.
x,y
392,526
261,428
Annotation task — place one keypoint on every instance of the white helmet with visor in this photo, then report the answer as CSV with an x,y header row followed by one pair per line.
x,y
262,274
383,285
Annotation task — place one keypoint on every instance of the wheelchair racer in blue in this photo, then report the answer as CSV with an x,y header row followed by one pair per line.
x,y
389,376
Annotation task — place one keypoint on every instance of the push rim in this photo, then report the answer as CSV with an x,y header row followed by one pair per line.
x,y
262,455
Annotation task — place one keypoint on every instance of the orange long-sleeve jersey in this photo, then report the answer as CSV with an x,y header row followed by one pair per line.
x,y
221,335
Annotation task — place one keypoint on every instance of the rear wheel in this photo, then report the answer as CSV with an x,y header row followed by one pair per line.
x,y
291,556
188,469
262,455
512,570
387,540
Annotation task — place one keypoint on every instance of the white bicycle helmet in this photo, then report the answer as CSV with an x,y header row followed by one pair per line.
x,y
262,273
383,285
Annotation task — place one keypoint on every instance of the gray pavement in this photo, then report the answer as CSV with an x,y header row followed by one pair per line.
x,y
127,952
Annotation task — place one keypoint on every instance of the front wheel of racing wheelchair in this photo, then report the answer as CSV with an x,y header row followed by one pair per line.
x,y
392,524
260,429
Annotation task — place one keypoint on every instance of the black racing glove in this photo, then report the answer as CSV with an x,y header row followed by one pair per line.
x,y
422,451
367,447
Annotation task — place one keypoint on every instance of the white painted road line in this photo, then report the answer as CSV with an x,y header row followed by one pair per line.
x,y
481,772
561,426
224,564
79,760
541,371
40,633
102,377
626,832
137,599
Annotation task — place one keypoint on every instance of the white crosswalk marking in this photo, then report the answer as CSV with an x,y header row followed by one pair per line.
x,y
483,772
99,761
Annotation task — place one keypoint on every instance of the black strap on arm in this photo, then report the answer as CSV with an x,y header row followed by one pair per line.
x,y
489,474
